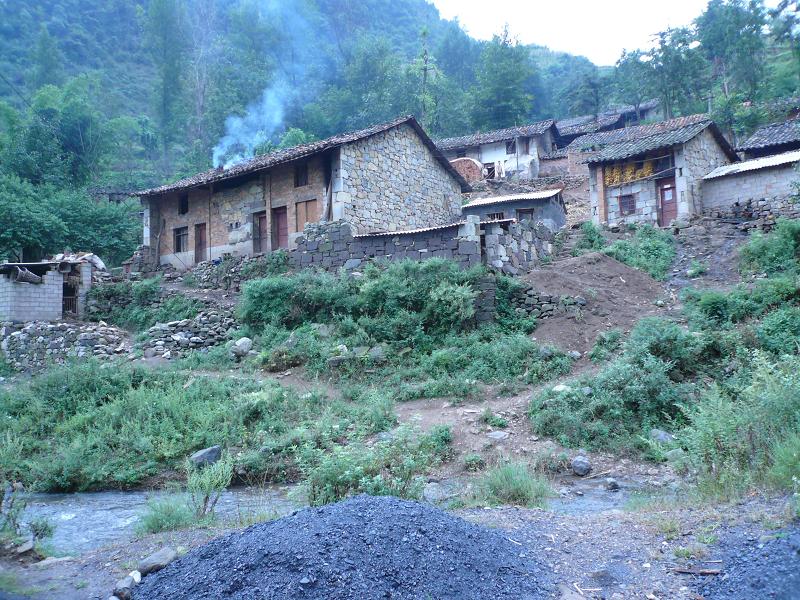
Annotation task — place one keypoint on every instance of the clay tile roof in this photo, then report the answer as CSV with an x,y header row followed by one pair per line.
x,y
776,134
587,124
624,143
302,151
499,135
555,154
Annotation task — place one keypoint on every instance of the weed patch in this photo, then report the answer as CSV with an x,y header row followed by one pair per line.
x,y
591,240
650,250
514,483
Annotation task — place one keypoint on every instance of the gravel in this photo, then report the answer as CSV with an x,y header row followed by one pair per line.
x,y
766,567
363,547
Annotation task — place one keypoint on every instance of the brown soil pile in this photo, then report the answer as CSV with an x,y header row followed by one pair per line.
x,y
617,296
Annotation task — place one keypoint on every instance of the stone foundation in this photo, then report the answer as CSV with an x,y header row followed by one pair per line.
x,y
757,214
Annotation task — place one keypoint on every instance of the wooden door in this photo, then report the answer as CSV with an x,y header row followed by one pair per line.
x,y
667,201
280,228
260,233
200,243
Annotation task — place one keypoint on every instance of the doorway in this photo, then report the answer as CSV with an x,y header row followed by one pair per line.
x,y
667,201
200,244
260,232
280,228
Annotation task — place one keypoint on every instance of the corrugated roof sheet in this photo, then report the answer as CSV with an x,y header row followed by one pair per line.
x,y
273,159
499,135
539,195
755,164
425,229
775,134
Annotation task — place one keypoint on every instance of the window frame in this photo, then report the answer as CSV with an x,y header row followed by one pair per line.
x,y
183,204
301,174
491,170
180,239
511,147
496,216
631,210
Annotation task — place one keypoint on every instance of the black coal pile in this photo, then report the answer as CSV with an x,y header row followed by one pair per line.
x,y
764,568
364,547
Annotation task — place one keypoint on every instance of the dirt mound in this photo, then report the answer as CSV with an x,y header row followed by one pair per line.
x,y
364,547
617,296
753,568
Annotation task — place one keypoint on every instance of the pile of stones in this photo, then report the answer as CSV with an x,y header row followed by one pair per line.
x,y
207,329
530,302
32,346
224,274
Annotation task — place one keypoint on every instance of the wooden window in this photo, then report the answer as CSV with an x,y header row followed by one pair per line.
x,y
180,239
307,212
525,214
461,154
495,216
525,146
511,147
301,175
627,204
183,204
490,173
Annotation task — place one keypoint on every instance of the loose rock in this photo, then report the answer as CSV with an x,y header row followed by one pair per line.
x,y
206,456
156,561
581,466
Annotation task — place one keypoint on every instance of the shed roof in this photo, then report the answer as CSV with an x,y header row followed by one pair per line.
x,y
539,195
302,151
608,118
498,135
775,134
766,162
633,141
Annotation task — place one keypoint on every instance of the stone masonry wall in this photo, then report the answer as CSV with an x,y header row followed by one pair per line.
x,y
173,339
758,197
701,155
32,346
391,181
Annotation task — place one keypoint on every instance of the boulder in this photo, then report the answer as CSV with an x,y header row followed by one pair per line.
x,y
661,436
241,347
498,435
25,548
581,466
206,456
612,485
157,561
124,588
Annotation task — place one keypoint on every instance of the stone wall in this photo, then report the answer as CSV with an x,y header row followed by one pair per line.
x,y
535,304
759,197
173,339
32,346
696,159
391,181
504,245
20,301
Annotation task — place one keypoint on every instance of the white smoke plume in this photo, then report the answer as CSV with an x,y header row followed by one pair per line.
x,y
244,134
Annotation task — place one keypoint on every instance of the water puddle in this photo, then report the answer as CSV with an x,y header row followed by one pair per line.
x,y
88,520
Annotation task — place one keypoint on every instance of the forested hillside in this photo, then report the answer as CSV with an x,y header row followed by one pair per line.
x,y
127,93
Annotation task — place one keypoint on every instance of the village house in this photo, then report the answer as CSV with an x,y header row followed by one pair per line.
x,y
385,178
545,207
757,189
652,173
775,138
511,153
614,118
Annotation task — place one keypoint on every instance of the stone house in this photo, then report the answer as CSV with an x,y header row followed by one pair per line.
x,y
652,173
760,188
385,178
505,153
614,118
544,206
775,138
43,291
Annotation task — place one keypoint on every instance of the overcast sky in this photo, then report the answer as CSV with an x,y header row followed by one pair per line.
x,y
597,29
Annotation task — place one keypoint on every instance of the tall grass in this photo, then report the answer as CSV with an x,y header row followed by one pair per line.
x,y
514,483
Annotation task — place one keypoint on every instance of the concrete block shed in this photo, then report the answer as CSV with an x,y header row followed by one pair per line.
x,y
43,291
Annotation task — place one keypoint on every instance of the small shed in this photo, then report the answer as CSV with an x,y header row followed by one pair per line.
x,y
545,206
43,291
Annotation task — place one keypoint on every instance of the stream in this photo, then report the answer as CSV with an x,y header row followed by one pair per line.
x,y
85,521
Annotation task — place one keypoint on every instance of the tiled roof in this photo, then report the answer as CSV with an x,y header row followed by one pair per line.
x,y
587,124
774,160
499,135
540,195
272,159
786,132
619,144
555,154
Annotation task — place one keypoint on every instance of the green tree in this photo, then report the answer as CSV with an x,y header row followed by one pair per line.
x,y
28,228
499,98
48,61
632,79
589,96
679,71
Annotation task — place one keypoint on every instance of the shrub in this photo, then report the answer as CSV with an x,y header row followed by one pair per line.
x,y
696,268
606,343
474,462
273,263
206,485
742,302
668,342
493,420
591,240
506,317
776,252
514,483
785,458
650,250
779,331
166,514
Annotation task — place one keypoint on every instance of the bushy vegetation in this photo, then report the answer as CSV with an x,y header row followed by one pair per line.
x,y
138,305
418,313
650,250
774,253
514,483
606,344
591,239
